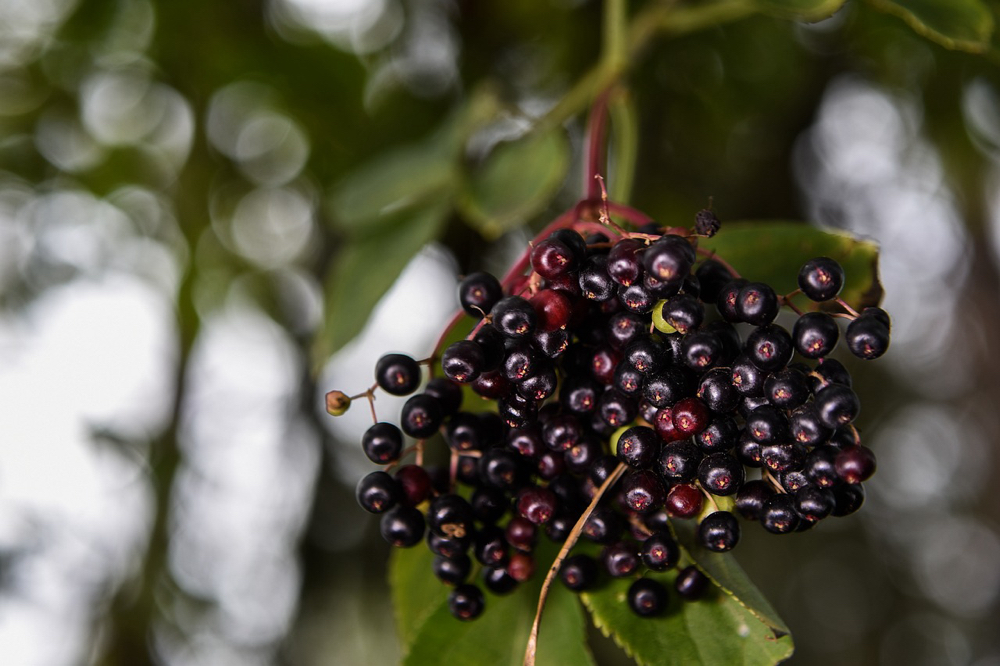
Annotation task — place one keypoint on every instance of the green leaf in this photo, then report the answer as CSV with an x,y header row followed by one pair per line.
x,y
800,10
369,198
955,24
416,592
788,245
516,182
732,624
431,636
353,287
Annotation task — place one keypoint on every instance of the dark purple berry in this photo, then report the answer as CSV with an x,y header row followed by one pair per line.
x,y
624,265
551,258
684,501
778,514
415,483
719,531
478,293
691,584
815,334
722,434
514,317
421,416
382,443
466,602
450,516
837,405
638,447
595,283
448,393
660,552
620,559
377,492
647,597
643,491
757,304
452,571
397,374
716,390
848,498
402,527
579,572
684,312
751,497
678,461
669,259
786,388
812,503
721,474
821,279
769,347
855,464
867,337
536,504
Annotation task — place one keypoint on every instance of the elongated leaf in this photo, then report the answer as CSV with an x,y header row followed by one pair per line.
x,y
367,267
516,182
409,177
773,252
430,635
800,10
955,24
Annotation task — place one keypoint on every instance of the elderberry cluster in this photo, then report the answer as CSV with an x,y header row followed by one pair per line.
x,y
623,348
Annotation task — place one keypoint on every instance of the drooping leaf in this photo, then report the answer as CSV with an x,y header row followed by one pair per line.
x,y
955,24
498,638
716,630
515,182
732,624
800,10
773,252
365,269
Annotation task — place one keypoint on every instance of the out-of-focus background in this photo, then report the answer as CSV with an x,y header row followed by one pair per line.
x,y
193,199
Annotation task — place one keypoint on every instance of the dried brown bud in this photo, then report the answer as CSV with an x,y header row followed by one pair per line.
x,y
337,403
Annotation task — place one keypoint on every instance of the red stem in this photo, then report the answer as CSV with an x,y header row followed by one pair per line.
x,y
597,126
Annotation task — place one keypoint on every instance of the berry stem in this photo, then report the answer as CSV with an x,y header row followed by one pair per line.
x,y
574,535
787,302
605,215
708,495
842,303
766,473
710,254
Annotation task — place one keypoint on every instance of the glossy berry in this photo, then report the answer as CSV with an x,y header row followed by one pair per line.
x,y
667,387
778,515
624,328
647,597
747,378
821,468
701,350
446,547
812,503
540,385
769,347
624,265
719,531
402,527
721,474
579,572
604,525
712,276
726,302
821,279
452,571
616,409
579,395
683,312
855,464
478,293
782,457
502,468
847,499
638,447
787,388
751,497
660,552
767,425
536,504
722,434
562,432
806,427
462,361
669,259
647,354
637,298
498,581
620,559
514,317
643,491
421,416
490,546
690,416
450,516
382,443
397,374
466,602
691,584
757,304
837,405
552,258
553,310
867,337
684,501
815,334
628,380
595,283
678,461
377,492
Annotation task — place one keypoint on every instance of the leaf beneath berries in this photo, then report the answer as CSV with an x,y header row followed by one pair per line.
x,y
956,24
517,180
800,10
430,635
731,624
788,245
365,269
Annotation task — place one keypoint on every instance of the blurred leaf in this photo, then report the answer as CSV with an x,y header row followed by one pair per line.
x,y
500,635
365,269
516,182
409,177
732,624
955,24
800,10
785,246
